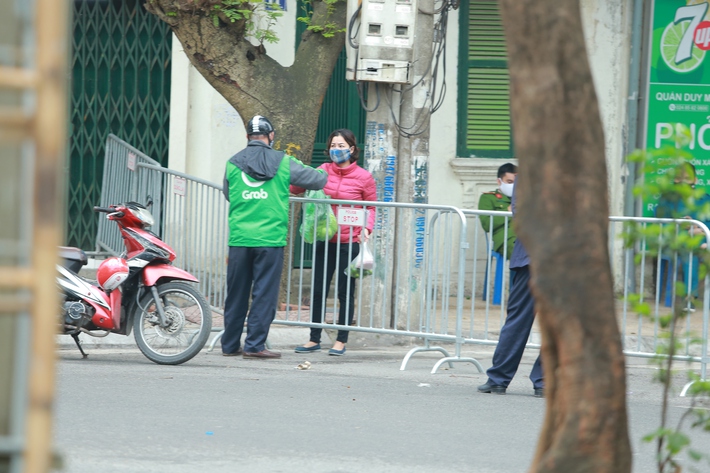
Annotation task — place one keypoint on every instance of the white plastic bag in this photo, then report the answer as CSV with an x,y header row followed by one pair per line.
x,y
362,264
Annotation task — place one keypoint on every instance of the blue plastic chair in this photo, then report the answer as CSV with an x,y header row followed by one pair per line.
x,y
498,278
667,273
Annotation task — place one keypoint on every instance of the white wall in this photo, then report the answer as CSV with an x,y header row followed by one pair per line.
x,y
607,30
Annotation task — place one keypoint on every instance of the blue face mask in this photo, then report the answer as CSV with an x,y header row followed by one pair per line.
x,y
339,156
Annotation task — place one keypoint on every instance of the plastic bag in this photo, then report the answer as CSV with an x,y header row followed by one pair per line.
x,y
319,222
362,264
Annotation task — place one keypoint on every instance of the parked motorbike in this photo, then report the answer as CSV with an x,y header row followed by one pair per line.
x,y
141,290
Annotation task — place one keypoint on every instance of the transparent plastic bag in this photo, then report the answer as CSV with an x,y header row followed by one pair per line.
x,y
319,222
362,264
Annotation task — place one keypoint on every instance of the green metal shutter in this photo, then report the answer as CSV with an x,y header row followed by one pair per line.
x,y
120,84
484,84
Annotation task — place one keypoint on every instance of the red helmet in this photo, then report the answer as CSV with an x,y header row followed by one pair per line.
x,y
111,273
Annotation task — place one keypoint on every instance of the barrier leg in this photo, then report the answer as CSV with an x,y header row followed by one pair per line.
x,y
685,388
452,359
214,340
426,347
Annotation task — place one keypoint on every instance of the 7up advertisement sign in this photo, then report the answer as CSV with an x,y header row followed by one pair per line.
x,y
679,83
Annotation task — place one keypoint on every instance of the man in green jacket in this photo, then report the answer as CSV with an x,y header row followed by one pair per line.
x,y
256,184
499,199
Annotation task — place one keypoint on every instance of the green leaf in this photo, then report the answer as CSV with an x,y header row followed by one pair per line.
x,y
677,441
695,455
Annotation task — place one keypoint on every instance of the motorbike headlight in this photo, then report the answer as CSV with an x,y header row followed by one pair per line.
x,y
144,216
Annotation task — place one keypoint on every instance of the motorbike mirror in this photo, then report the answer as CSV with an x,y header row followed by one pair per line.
x,y
149,203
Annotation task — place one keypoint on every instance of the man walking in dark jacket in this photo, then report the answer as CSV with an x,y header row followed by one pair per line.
x,y
256,184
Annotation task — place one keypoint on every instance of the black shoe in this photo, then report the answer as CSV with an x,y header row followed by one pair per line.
x,y
539,392
491,388
236,353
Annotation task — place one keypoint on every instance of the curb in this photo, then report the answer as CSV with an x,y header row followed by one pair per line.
x,y
279,337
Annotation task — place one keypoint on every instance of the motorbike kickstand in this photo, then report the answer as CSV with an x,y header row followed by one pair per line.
x,y
75,336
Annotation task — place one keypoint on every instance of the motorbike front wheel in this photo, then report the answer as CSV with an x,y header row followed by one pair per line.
x,y
189,324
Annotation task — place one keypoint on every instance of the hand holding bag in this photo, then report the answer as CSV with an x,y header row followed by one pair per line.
x,y
362,264
319,221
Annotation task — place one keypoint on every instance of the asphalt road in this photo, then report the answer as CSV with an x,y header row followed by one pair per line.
x,y
116,412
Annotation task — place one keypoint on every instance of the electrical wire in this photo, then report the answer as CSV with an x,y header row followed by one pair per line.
x,y
350,28
438,58
361,95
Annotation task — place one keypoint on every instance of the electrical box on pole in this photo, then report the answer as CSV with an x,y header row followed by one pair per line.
x,y
384,31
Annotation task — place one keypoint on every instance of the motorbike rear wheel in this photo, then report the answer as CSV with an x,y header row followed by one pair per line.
x,y
190,322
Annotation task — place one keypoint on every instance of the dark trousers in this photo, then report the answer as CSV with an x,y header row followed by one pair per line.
x,y
325,259
254,272
515,333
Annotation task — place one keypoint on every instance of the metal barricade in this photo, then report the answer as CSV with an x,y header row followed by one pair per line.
x,y
119,185
429,262
651,270
194,224
416,288
637,270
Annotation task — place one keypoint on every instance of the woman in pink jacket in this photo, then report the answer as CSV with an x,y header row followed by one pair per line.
x,y
346,181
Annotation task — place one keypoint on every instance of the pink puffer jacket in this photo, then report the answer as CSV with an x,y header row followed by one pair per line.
x,y
350,183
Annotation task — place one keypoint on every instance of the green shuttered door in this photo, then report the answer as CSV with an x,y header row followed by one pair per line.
x,y
120,84
484,104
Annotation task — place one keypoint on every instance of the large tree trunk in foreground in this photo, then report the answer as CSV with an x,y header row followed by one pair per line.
x,y
251,81
562,220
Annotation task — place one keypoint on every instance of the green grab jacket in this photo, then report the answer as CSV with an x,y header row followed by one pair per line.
x,y
256,184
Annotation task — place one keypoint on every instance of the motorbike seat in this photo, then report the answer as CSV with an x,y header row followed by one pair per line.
x,y
74,256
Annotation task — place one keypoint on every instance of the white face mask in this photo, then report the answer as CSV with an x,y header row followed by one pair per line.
x,y
506,189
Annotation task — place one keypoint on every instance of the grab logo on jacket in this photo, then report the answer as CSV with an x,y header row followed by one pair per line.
x,y
249,195
260,194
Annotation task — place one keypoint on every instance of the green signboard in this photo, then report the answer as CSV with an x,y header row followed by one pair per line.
x,y
679,83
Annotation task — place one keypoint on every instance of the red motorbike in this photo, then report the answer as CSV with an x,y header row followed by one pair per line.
x,y
141,290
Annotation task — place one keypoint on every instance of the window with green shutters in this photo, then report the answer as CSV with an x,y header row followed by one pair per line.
x,y
484,128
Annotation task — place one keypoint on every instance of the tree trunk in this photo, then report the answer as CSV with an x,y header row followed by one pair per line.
x,y
562,221
251,81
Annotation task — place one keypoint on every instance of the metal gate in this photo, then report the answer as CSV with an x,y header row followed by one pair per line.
x,y
121,57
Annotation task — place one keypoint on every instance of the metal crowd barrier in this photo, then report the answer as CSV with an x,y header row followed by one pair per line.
x,y
652,270
416,289
119,185
651,275
429,264
194,224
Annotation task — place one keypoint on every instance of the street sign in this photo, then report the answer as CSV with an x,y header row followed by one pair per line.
x,y
679,85
351,217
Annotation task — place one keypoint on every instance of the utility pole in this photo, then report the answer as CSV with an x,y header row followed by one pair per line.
x,y
389,47
381,141
413,164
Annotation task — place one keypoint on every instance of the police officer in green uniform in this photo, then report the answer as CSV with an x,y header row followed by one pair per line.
x,y
499,199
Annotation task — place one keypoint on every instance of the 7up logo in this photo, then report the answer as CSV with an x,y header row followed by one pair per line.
x,y
680,38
